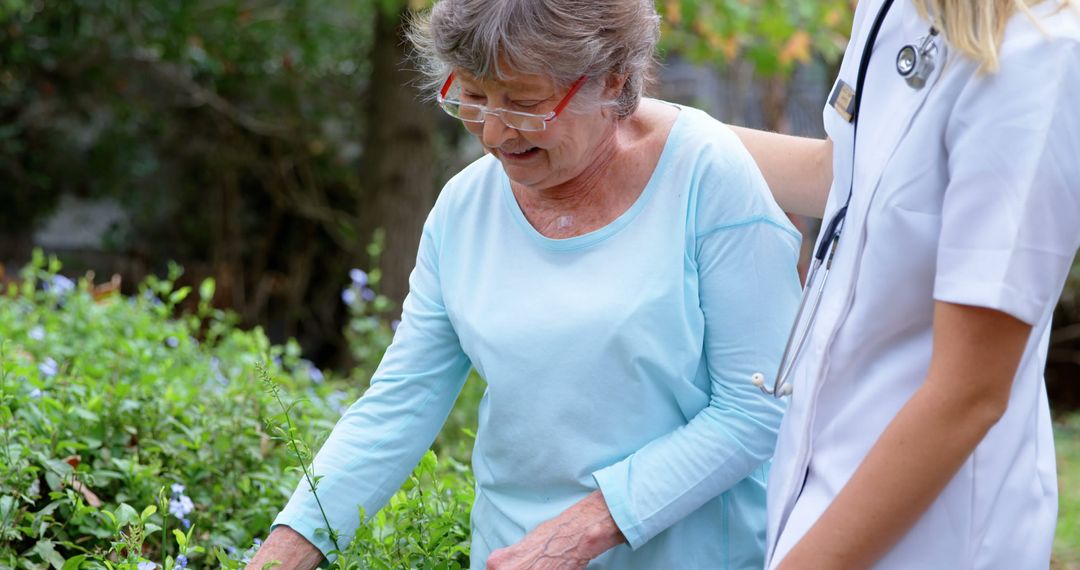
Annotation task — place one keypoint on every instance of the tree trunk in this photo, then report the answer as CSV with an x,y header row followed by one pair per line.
x,y
774,102
399,157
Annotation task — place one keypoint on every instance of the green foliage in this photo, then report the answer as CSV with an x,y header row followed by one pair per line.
x,y
1070,297
304,457
123,93
231,133
109,398
370,328
773,34
1067,540
113,412
424,527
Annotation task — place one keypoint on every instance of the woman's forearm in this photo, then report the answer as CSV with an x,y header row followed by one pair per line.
x,y
976,354
570,540
797,169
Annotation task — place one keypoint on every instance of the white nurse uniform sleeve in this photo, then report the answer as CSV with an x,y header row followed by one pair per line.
x,y
382,437
1011,211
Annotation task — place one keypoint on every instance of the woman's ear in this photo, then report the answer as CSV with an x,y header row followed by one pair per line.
x,y
613,86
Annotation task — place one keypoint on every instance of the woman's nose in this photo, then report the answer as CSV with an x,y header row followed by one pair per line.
x,y
495,131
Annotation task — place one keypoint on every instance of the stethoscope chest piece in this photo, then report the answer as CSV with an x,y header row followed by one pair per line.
x,y
915,63
906,60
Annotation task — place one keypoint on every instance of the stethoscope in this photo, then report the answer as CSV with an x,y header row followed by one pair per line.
x,y
915,63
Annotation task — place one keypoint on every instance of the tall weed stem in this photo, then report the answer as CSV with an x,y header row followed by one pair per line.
x,y
290,435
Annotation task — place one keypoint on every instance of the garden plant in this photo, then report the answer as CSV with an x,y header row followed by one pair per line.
x,y
150,432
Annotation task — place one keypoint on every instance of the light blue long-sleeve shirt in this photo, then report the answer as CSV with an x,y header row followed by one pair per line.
x,y
620,360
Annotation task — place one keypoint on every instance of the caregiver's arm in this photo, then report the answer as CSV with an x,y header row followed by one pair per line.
x,y
797,169
975,357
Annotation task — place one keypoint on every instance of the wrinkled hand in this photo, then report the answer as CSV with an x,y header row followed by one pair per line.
x,y
541,550
566,542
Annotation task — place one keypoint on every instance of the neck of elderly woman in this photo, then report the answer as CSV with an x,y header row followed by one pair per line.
x,y
610,174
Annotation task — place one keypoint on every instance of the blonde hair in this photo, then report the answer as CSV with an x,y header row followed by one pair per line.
x,y
976,27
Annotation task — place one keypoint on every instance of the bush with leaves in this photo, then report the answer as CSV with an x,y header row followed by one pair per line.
x,y
130,438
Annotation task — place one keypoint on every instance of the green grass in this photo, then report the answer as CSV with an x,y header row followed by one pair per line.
x,y
1067,540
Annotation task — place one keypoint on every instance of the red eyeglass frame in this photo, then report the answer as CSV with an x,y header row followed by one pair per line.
x,y
550,116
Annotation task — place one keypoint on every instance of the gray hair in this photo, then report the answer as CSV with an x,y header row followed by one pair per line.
x,y
560,39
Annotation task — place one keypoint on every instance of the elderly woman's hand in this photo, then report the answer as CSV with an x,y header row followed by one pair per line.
x,y
566,542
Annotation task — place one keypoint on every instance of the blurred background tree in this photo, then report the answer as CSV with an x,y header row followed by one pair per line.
x,y
262,142
772,37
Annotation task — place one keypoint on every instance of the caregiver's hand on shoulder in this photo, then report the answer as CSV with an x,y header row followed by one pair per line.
x,y
566,542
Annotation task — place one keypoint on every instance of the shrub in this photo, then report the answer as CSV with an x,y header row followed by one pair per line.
x,y
130,438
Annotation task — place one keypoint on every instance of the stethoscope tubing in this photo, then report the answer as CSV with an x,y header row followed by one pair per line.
x,y
781,387
826,249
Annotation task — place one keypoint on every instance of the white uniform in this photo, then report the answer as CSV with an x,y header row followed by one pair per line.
x,y
966,191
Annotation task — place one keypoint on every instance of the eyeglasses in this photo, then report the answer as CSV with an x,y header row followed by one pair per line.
x,y
517,120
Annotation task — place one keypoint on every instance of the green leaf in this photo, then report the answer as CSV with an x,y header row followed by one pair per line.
x,y
112,519
148,512
181,539
47,551
73,563
428,462
7,505
179,295
125,515
206,289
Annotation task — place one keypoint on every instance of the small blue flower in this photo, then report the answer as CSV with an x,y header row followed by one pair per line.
x,y
338,401
394,324
215,367
36,393
359,277
256,543
172,342
59,285
37,333
348,296
181,506
312,371
186,523
177,489
151,298
147,566
181,561
367,294
48,367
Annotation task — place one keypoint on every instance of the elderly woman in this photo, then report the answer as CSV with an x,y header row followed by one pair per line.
x,y
617,272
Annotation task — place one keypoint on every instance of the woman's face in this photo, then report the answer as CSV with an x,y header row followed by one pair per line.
x,y
536,159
